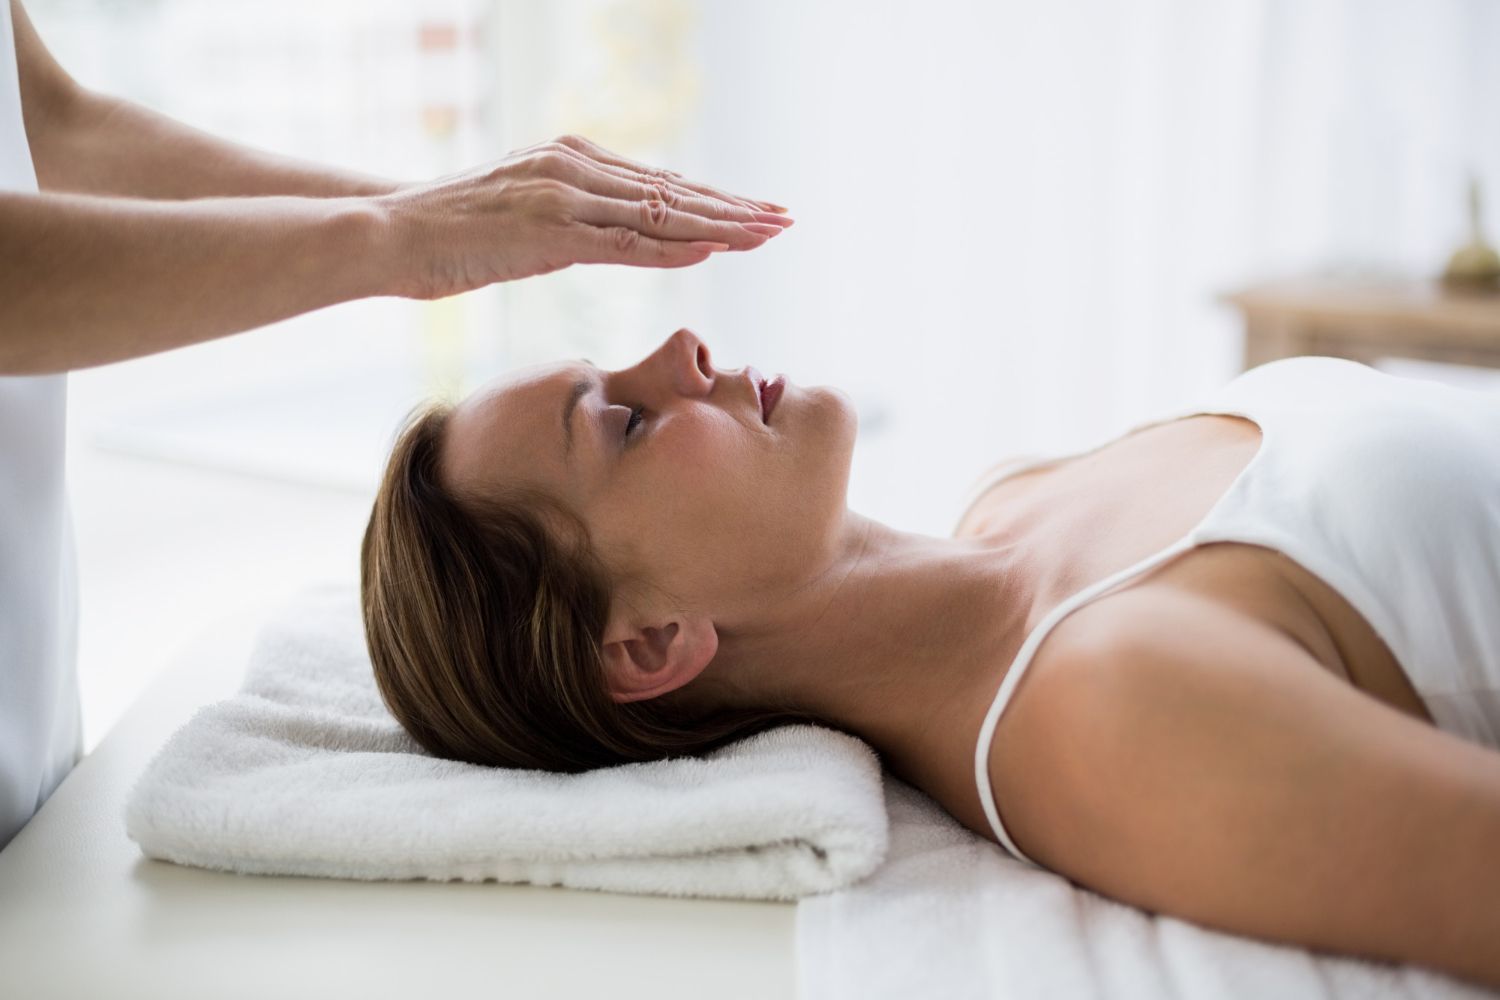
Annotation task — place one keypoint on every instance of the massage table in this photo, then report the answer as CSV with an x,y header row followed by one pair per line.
x,y
83,913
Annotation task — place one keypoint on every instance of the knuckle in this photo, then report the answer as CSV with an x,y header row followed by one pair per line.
x,y
624,239
549,196
531,164
665,192
654,212
570,140
550,162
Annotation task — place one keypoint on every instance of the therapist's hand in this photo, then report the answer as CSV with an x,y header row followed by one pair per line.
x,y
556,204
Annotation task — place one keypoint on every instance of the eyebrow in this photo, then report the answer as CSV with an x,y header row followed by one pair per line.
x,y
578,390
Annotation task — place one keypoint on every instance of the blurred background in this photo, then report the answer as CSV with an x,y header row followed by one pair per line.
x,y
1018,224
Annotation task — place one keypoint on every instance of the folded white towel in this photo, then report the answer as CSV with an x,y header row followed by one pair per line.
x,y
949,914
305,772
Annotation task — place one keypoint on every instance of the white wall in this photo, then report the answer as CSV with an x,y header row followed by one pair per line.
x,y
1013,220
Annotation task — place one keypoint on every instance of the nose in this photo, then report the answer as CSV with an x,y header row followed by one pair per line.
x,y
681,367
688,358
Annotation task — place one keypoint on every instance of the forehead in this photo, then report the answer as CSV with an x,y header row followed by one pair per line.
x,y
509,429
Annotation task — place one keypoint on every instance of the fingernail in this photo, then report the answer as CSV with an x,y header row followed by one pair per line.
x,y
775,220
771,206
702,245
760,229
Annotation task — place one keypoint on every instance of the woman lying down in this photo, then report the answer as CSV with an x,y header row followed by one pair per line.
x,y
1240,665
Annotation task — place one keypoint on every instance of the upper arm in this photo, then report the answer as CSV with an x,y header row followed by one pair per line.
x,y
47,91
1214,771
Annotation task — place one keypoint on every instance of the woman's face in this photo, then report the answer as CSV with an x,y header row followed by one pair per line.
x,y
696,496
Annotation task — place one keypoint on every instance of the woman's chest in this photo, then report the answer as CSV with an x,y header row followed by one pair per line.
x,y
1087,518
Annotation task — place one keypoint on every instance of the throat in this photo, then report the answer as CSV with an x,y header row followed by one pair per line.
x,y
923,718
911,641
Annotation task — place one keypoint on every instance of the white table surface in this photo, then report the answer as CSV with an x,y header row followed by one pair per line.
x,y
83,913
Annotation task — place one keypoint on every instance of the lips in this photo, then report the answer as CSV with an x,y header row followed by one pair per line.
x,y
767,391
770,394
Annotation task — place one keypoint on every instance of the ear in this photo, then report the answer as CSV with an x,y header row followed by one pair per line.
x,y
645,661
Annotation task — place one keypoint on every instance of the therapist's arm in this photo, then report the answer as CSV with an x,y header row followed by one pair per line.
x,y
87,142
90,278
108,145
87,280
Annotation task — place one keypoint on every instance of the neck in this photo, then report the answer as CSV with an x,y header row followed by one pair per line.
x,y
897,634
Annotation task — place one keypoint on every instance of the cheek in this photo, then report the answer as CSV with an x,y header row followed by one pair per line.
x,y
713,508
748,513
705,493
747,516
706,475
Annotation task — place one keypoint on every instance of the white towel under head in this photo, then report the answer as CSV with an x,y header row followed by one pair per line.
x,y
305,772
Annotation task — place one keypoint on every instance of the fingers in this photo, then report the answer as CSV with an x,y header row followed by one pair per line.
x,y
654,217
623,245
643,171
620,182
612,182
615,210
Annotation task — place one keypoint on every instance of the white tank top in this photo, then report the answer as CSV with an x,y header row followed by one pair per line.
x,y
1386,488
41,733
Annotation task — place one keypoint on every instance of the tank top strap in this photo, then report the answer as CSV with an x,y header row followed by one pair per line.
x,y
1023,660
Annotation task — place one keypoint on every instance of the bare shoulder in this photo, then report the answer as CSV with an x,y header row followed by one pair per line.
x,y
1179,756
973,514
1143,670
1123,652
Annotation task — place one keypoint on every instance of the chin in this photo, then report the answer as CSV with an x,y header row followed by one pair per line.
x,y
837,425
848,415
832,399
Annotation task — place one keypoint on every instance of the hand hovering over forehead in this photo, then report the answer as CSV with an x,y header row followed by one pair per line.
x,y
559,203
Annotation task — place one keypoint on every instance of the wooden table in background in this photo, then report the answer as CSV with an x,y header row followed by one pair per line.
x,y
1368,319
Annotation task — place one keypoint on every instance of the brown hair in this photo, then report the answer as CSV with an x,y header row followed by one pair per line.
x,y
485,628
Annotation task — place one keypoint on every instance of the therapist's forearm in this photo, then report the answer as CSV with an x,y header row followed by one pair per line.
x,y
87,280
111,146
